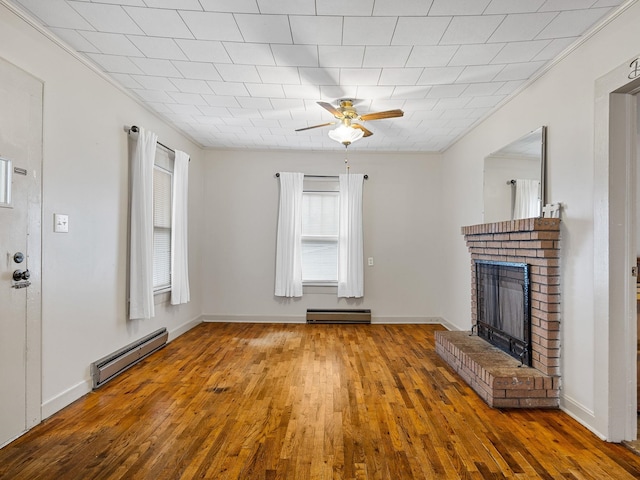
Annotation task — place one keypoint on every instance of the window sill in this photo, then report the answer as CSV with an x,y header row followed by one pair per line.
x,y
320,288
161,296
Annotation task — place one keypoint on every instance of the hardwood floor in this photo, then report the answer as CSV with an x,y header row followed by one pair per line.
x,y
297,402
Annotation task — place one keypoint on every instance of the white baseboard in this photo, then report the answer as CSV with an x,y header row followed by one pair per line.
x,y
184,328
580,414
70,395
302,319
254,318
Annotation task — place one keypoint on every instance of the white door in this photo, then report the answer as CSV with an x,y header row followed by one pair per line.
x,y
20,251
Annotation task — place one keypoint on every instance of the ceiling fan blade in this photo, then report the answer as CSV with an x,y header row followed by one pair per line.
x,y
367,133
331,109
315,126
380,115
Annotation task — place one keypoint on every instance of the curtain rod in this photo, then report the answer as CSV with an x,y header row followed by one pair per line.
x,y
134,129
322,176
511,182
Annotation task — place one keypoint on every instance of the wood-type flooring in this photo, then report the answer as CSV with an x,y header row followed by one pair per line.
x,y
298,402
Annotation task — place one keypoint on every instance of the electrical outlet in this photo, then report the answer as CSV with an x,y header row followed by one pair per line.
x,y
60,223
370,261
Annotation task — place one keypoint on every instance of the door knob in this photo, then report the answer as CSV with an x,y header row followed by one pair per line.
x,y
21,275
18,257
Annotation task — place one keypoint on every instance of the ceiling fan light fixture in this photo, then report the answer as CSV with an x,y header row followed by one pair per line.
x,y
345,134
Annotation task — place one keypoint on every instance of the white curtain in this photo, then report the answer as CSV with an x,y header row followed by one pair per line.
x,y
289,243
141,255
350,240
179,230
527,199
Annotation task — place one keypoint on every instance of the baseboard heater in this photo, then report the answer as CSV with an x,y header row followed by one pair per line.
x,y
108,367
338,315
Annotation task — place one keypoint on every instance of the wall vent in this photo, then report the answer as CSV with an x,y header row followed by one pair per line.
x,y
108,367
315,315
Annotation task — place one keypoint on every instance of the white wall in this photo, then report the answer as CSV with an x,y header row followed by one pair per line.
x,y
85,175
563,99
402,220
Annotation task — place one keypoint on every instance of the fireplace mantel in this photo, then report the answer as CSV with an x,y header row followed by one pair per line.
x,y
536,242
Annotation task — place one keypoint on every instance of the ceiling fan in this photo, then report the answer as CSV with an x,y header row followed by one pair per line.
x,y
349,131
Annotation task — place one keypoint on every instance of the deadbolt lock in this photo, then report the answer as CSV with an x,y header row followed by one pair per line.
x,y
21,275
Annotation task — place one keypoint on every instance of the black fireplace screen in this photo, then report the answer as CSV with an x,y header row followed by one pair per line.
x,y
504,313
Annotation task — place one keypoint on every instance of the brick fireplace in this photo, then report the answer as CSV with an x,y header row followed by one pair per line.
x,y
497,377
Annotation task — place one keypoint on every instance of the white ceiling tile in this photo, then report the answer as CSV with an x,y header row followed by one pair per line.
x,y
187,85
338,56
56,13
238,73
482,89
221,101
218,112
319,76
264,28
154,96
471,29
444,91
106,18
188,98
295,55
112,43
431,56
510,87
330,92
126,80
154,83
159,23
554,48
75,40
152,66
400,76
479,73
373,91
198,70
404,8
606,3
560,5
204,51
513,6
458,7
439,75
287,103
360,76
518,71
114,63
420,30
249,53
410,92
487,101
301,91
158,47
212,26
288,7
393,56
234,6
520,51
311,30
235,89
262,90
279,75
572,23
340,7
368,30
173,4
260,103
479,54
184,109
523,26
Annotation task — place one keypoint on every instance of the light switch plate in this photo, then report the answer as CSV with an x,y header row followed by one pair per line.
x,y
60,223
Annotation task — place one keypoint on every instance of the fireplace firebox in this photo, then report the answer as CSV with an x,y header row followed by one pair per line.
x,y
503,307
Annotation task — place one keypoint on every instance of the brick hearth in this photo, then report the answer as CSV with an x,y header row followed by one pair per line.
x,y
493,374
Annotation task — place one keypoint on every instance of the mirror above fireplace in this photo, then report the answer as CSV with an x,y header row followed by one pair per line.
x,y
514,179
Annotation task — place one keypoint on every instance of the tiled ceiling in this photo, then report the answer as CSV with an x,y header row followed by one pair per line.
x,y
248,73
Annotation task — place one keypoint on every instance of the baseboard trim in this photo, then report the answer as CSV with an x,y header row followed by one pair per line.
x,y
65,398
184,328
580,414
214,318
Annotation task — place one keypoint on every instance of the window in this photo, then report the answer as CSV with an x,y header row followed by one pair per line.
x,y
162,191
320,207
